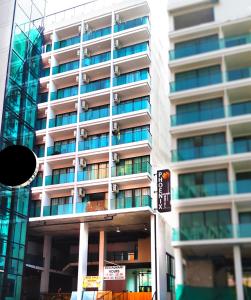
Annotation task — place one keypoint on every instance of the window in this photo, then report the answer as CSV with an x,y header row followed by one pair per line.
x,y
133,198
170,275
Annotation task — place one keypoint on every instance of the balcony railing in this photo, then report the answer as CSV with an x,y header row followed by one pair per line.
x,y
239,74
244,230
45,72
131,77
95,113
94,143
131,137
242,108
88,206
96,59
64,93
60,149
203,232
131,24
130,202
197,116
59,178
63,120
68,42
242,186
41,124
35,260
39,150
99,173
95,85
61,209
97,33
130,169
42,98
199,152
241,146
46,48
203,190
122,255
130,50
35,212
38,181
73,65
132,105
208,45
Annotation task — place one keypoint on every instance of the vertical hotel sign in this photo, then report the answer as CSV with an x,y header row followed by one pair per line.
x,y
163,190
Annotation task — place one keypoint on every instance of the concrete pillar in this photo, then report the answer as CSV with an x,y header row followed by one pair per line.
x,y
102,256
45,276
179,276
153,255
238,273
83,257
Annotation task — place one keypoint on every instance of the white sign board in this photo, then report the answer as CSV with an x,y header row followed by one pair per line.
x,y
114,273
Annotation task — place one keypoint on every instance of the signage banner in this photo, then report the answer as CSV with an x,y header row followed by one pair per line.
x,y
164,190
92,282
114,273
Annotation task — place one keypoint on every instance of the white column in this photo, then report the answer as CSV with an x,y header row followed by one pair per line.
x,y
83,256
179,277
102,256
44,283
153,254
238,272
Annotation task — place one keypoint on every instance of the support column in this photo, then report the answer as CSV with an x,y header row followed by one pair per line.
x,y
83,257
153,257
238,272
102,256
179,277
45,275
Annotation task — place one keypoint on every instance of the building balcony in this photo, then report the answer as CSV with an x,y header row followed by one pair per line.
x,y
199,152
35,211
131,106
95,113
42,98
131,24
59,178
131,77
122,255
204,45
244,230
41,124
64,93
68,42
46,48
96,59
38,181
241,146
131,137
73,65
238,74
97,33
130,169
61,209
131,202
130,50
89,206
238,109
100,173
94,143
33,259
61,149
242,186
95,86
63,120
203,233
39,150
45,72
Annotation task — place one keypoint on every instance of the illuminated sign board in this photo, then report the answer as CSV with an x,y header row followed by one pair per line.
x,y
163,190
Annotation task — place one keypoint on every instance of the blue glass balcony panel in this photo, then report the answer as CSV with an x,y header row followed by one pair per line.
x,y
130,50
241,108
45,72
131,24
132,136
94,143
199,152
95,113
94,174
41,124
38,181
60,209
95,85
73,65
132,105
130,202
42,97
39,150
241,146
244,230
60,149
97,33
60,178
243,186
131,77
239,74
63,120
130,169
68,42
96,59
46,48
64,93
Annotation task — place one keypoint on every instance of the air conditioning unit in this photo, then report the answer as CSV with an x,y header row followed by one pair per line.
x,y
84,105
78,53
87,52
115,188
116,70
79,28
75,133
115,128
72,192
115,157
83,133
74,162
51,37
40,197
86,27
82,163
116,98
77,79
117,19
117,44
76,105
81,192
85,78
48,85
49,61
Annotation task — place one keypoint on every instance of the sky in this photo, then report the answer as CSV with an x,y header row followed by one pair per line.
x,y
58,5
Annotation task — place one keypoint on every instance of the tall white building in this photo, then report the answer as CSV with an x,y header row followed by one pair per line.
x,y
210,92
102,133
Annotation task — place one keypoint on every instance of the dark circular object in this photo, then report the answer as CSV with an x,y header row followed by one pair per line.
x,y
18,166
